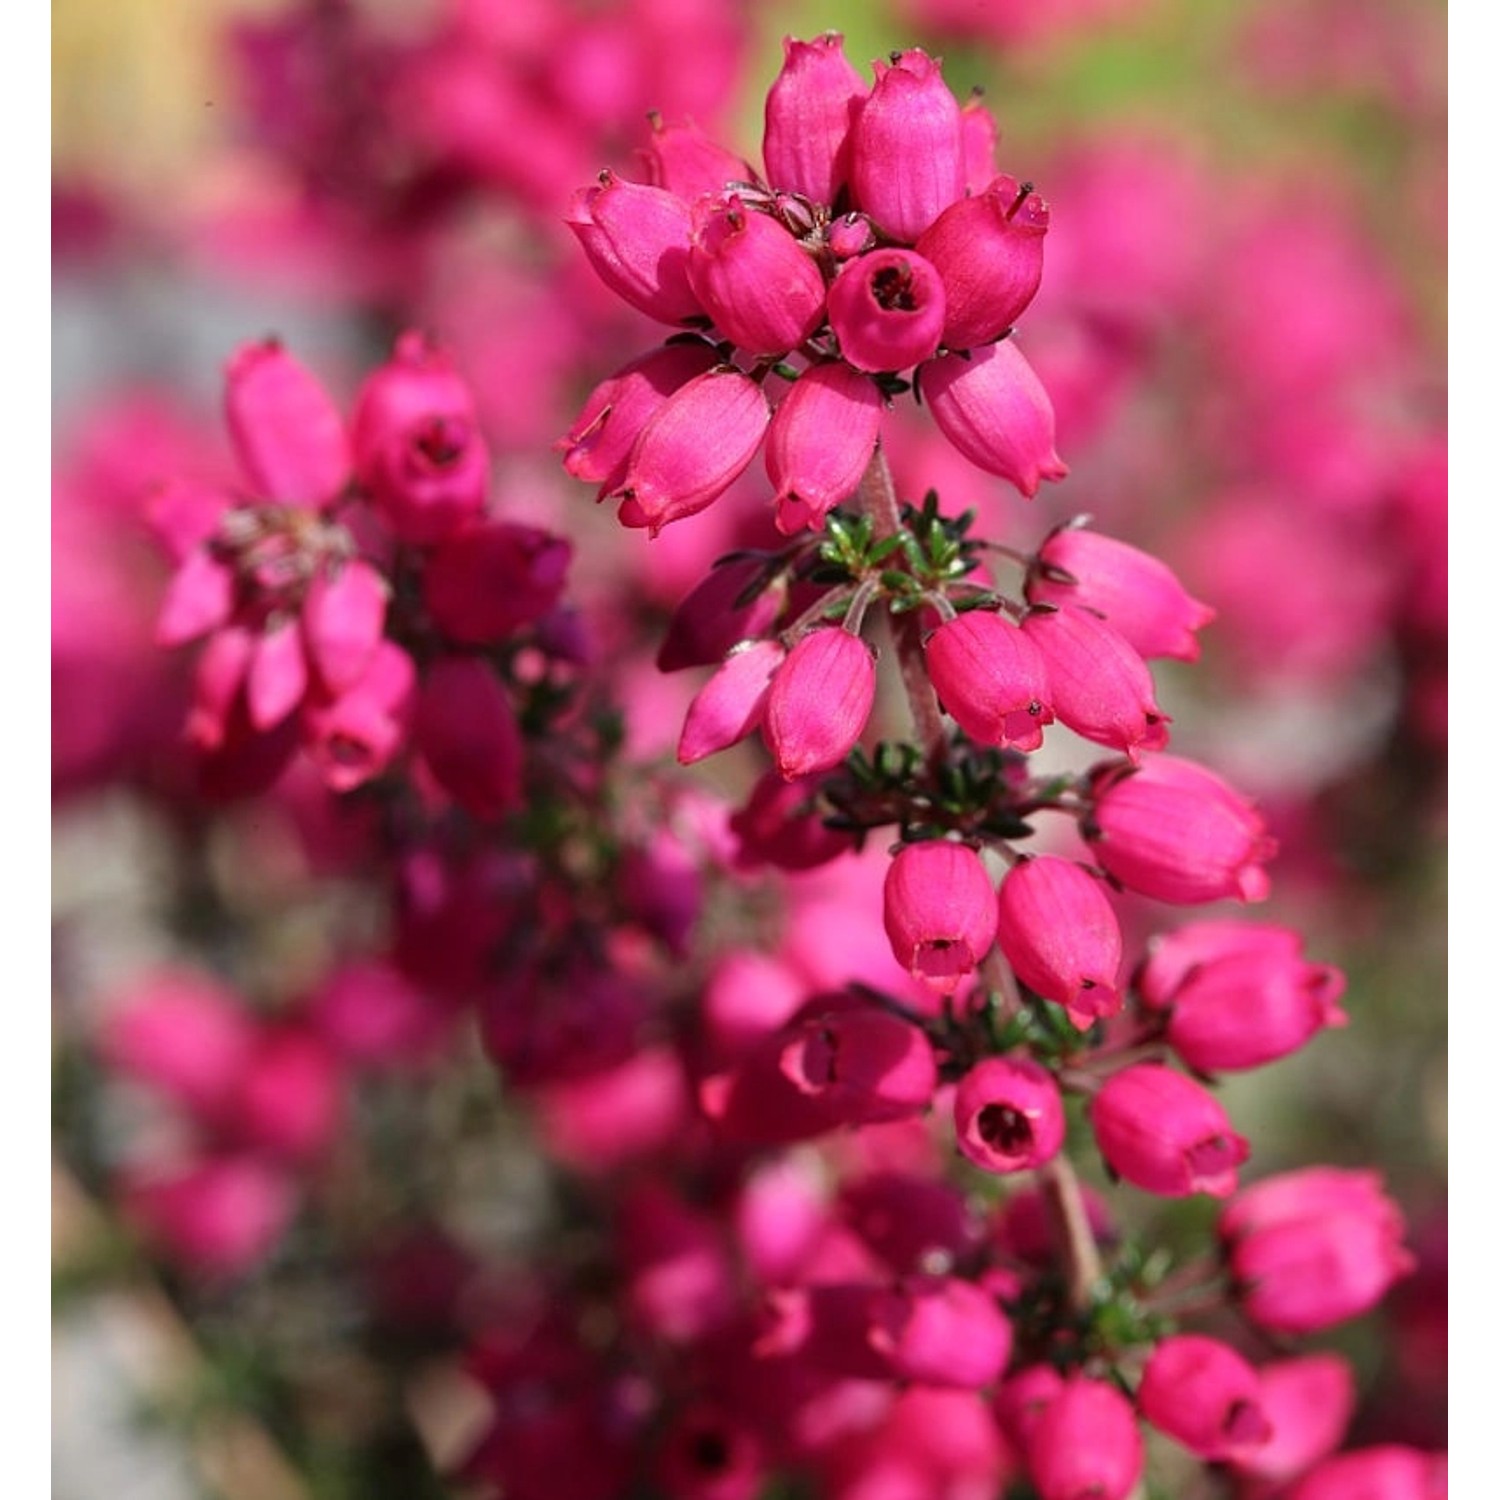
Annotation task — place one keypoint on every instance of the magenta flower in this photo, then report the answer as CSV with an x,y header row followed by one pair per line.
x,y
732,702
886,309
819,702
1060,933
1008,1113
1312,1248
810,110
991,678
1201,1392
939,912
1174,831
1166,1134
820,441
1086,1444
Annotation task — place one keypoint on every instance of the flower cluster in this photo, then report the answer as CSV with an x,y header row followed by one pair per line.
x,y
879,241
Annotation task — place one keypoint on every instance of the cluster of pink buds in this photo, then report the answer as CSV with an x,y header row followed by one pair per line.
x,y
346,600
880,250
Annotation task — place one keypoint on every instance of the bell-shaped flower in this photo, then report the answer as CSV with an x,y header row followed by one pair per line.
x,y
1008,1115
887,310
987,248
1174,831
990,405
820,441
939,912
907,157
1100,687
819,702
1059,931
1166,1134
991,678
1205,1395
810,109
731,703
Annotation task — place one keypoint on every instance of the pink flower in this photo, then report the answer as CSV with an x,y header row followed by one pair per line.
x,y
1312,1248
1202,1393
467,732
637,239
1060,933
987,248
417,444
1165,1133
762,290
819,702
354,735
820,441
990,405
1239,995
711,618
940,1331
907,159
991,679
1099,686
810,109
343,620
887,308
1086,1444
1136,593
939,912
672,472
1308,1401
1174,831
1008,1113
1385,1472
732,702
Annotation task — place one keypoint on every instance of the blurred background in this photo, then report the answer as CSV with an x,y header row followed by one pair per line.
x,y
1242,326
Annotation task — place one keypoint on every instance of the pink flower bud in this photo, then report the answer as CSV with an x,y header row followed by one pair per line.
x,y
940,1331
993,409
672,471
988,251
183,1035
1060,933
417,444
819,702
1385,1472
981,140
1086,1444
991,679
467,732
1166,1134
1308,1401
199,598
637,238
887,309
763,291
850,235
1174,831
1008,1113
939,912
1247,998
218,1218
907,157
710,1454
860,1065
810,109
1139,595
780,825
597,446
711,619
1022,1399
492,578
277,679
218,678
1202,1393
685,161
354,735
343,620
287,432
1100,687
820,442
731,703
1312,1248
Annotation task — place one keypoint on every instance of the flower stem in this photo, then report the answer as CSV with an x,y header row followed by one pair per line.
x,y
877,497
1070,1223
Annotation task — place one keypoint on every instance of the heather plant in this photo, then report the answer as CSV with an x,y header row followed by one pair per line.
x,y
845,1116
